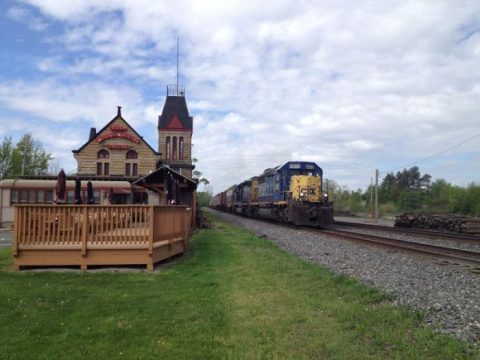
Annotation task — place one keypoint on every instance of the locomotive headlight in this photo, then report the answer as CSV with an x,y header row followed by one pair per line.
x,y
325,196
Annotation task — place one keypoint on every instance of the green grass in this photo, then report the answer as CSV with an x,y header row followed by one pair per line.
x,y
233,295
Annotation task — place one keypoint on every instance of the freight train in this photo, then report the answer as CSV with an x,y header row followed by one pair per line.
x,y
290,193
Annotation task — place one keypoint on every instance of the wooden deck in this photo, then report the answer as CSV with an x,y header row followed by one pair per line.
x,y
85,235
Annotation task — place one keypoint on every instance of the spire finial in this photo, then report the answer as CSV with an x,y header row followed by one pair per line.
x,y
178,50
119,111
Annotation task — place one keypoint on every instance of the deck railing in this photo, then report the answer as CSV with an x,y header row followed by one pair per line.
x,y
98,227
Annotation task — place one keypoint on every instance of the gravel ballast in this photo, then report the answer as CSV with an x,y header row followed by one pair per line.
x,y
449,295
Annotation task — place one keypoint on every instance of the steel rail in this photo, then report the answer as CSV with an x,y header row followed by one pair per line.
x,y
431,233
465,257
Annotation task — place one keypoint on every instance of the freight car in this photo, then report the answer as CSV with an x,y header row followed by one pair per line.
x,y
290,193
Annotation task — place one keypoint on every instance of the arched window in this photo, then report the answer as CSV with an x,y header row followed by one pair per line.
x,y
168,147
132,154
180,148
103,167
174,148
131,168
103,154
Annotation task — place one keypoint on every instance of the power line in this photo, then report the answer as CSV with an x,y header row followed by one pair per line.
x,y
436,154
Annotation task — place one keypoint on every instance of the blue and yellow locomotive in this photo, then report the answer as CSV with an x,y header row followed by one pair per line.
x,y
290,193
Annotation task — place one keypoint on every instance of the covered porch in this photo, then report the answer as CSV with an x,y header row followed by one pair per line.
x,y
165,186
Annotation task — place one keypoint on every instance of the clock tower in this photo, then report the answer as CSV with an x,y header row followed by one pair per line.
x,y
175,127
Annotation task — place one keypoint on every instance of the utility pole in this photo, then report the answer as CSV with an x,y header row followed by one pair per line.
x,y
376,195
371,198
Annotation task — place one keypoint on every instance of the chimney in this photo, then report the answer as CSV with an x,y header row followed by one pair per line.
x,y
119,111
93,133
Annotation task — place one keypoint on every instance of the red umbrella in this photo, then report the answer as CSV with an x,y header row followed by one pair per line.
x,y
61,187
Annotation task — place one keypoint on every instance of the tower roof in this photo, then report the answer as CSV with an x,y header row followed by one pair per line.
x,y
175,105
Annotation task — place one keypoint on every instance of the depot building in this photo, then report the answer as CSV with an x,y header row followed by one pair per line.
x,y
122,166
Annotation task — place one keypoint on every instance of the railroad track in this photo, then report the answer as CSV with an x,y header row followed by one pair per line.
x,y
470,259
429,233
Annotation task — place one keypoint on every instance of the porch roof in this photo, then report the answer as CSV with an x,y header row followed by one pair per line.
x,y
158,177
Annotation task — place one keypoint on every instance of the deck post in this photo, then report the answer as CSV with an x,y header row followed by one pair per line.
x,y
84,231
151,229
185,222
15,233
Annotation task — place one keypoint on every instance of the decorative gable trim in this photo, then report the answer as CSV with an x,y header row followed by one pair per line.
x,y
119,132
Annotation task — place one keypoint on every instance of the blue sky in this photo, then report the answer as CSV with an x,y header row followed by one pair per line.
x,y
352,86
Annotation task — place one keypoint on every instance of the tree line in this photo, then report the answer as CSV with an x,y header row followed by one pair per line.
x,y
408,191
26,157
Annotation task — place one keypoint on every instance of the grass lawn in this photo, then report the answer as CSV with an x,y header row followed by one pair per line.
x,y
233,295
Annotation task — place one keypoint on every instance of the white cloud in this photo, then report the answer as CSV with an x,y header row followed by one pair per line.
x,y
23,15
91,101
354,86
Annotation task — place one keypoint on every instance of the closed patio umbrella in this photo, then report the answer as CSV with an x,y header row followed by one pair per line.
x,y
90,198
61,186
110,196
78,191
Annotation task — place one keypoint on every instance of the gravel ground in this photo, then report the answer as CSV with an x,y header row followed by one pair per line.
x,y
449,295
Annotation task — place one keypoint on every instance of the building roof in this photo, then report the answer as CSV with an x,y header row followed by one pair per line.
x,y
119,116
158,176
175,105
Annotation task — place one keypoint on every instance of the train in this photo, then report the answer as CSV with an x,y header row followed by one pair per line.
x,y
290,193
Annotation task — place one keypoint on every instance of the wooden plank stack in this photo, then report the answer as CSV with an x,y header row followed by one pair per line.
x,y
440,222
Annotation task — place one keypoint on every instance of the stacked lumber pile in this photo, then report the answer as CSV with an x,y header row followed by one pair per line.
x,y
440,222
